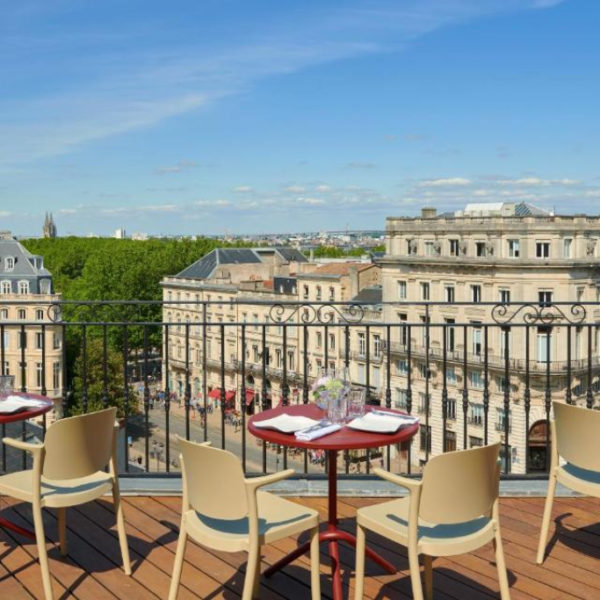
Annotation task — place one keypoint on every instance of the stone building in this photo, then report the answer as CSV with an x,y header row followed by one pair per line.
x,y
471,265
30,344
250,287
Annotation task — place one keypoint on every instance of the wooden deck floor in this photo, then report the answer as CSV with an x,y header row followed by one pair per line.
x,y
92,570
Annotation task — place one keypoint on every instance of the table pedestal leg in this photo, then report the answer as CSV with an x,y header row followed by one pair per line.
x,y
332,535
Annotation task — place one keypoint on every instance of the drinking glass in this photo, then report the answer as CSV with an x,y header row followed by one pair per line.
x,y
356,403
7,384
336,409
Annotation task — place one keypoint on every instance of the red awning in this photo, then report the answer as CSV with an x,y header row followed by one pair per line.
x,y
216,393
250,397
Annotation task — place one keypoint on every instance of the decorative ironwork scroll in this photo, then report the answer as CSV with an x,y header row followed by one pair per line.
x,y
541,314
317,314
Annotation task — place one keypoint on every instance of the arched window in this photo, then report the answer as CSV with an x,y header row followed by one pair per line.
x,y
23,287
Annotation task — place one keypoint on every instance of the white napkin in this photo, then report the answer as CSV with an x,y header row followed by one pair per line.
x,y
312,433
14,404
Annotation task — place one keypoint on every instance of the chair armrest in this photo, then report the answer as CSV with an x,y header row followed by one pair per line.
x,y
21,445
406,482
255,482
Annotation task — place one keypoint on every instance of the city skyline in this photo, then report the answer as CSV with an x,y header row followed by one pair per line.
x,y
194,119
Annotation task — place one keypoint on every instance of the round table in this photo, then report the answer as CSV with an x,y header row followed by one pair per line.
x,y
343,439
23,415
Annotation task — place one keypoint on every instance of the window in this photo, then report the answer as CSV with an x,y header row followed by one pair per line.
x,y
56,375
567,243
450,335
6,370
362,344
319,293
362,374
331,294
411,247
332,341
39,340
9,262
501,419
290,359
480,248
6,287
449,293
450,444
402,367
56,341
542,249
403,329
424,329
21,314
476,379
453,247
400,399
514,249
39,380
424,372
402,290
22,338
475,293
376,379
377,346
425,291
305,292
23,287
477,341
475,442
4,314
39,315
424,404
22,375
425,435
451,409
278,361
5,341
543,344
505,296
476,413
451,377
545,298
429,249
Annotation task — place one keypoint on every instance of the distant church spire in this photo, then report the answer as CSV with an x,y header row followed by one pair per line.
x,y
49,229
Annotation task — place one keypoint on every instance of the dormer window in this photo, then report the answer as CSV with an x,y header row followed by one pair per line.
x,y
10,263
23,287
5,287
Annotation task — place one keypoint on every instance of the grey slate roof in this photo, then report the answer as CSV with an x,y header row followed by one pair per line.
x,y
27,266
204,267
369,295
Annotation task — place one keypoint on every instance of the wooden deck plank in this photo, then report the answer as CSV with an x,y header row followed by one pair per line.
x,y
93,570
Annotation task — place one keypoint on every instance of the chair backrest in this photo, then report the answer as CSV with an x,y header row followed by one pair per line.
x,y
460,486
578,435
79,446
214,481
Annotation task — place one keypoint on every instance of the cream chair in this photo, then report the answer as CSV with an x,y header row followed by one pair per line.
x,y
452,510
575,438
224,511
68,469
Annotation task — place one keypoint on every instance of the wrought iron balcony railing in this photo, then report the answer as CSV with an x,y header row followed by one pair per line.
x,y
201,379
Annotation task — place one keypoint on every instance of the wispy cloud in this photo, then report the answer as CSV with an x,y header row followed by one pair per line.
x,y
117,94
445,182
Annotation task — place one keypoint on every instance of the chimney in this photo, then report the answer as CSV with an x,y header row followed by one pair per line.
x,y
354,285
428,212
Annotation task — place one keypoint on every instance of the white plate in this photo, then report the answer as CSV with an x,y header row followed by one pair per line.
x,y
14,404
286,423
377,423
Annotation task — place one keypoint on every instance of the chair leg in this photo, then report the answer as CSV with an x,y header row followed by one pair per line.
x,y
546,519
427,561
359,569
256,586
501,566
62,530
253,559
40,539
415,573
315,575
177,566
121,530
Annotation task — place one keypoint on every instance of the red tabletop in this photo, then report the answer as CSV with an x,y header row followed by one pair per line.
x,y
23,415
343,439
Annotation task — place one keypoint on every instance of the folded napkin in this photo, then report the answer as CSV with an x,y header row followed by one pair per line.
x,y
317,431
379,421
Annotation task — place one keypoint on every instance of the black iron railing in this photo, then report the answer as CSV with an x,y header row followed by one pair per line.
x,y
198,369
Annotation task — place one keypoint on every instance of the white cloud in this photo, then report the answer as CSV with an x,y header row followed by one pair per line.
x,y
294,189
446,182
323,188
243,189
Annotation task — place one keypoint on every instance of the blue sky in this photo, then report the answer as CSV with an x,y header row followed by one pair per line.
x,y
201,117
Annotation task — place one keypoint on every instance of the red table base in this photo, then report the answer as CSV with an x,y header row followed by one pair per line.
x,y
333,534
16,528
